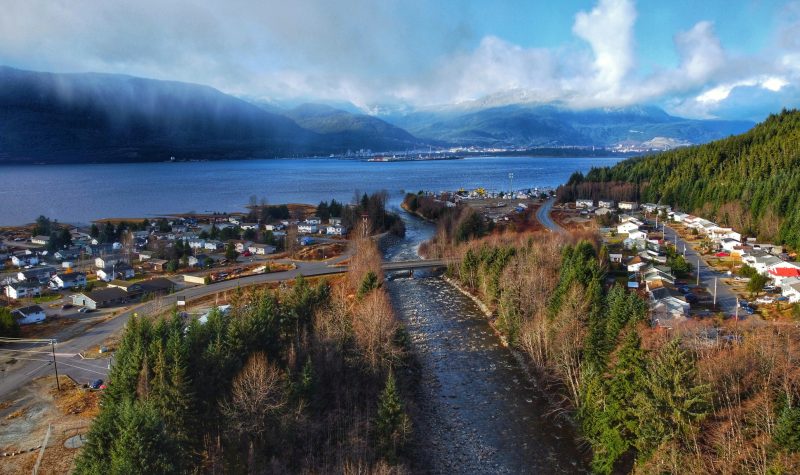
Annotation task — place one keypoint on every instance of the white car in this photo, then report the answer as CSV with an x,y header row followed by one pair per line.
x,y
765,300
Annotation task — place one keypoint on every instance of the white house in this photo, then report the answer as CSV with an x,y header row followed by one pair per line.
x,y
213,245
791,289
668,311
68,280
637,234
760,261
307,228
616,258
584,203
118,271
196,243
729,244
106,261
274,227
312,220
18,290
40,240
627,227
335,221
636,264
250,226
261,249
628,205
22,260
30,314
605,204
335,230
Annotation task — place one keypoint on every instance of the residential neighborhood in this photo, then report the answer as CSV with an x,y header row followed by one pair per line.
x,y
648,240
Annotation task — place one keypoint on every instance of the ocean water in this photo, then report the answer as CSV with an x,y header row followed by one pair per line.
x,y
81,193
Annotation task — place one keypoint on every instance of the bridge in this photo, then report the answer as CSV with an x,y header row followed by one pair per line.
x,y
418,264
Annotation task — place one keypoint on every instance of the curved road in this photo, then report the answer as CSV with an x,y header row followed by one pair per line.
x,y
543,216
34,361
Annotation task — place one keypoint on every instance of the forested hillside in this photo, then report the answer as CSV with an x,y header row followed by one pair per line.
x,y
299,380
645,400
749,181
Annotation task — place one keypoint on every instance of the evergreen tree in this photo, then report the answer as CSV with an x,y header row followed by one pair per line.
x,y
368,284
142,445
393,425
672,402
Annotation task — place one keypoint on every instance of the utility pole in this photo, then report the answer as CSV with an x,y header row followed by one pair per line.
x,y
55,364
698,271
511,182
715,293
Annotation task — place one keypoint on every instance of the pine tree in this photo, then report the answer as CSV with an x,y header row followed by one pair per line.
x,y
393,425
142,446
672,402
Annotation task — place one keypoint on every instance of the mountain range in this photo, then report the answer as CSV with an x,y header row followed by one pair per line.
x,y
90,117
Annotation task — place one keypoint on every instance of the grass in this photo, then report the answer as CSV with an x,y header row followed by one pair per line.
x,y
46,298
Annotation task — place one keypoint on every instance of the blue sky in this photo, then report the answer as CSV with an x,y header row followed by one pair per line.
x,y
711,58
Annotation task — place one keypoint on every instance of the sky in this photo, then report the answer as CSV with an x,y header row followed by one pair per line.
x,y
731,59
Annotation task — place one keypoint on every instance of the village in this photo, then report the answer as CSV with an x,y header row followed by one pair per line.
x,y
688,266
119,262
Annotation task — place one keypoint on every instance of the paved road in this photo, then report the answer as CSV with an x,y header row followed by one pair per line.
x,y
543,215
35,360
726,297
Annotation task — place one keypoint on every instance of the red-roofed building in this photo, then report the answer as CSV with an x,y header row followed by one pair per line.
x,y
782,271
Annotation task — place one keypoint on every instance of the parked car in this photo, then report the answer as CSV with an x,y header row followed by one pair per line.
x,y
782,299
96,384
691,298
684,289
85,310
722,254
770,288
66,306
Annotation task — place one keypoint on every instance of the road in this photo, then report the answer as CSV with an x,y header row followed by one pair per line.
x,y
543,215
36,360
726,297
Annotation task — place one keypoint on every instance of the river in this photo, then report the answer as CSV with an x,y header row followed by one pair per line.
x,y
477,409
82,193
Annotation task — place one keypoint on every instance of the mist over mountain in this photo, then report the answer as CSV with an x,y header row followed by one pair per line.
x,y
526,125
74,118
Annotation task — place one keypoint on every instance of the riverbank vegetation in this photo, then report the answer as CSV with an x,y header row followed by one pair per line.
x,y
707,397
297,380
750,181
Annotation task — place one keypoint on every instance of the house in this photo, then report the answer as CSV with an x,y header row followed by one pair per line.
x,y
306,228
261,249
584,203
637,244
627,227
649,207
27,288
791,289
335,221
100,298
116,271
242,246
274,227
605,204
616,258
628,205
213,246
157,286
603,211
40,240
637,235
669,311
760,261
159,265
782,271
145,255
679,217
336,230
107,260
30,314
729,245
198,260
68,280
196,243
25,259
40,274
253,226
635,264
132,288
313,220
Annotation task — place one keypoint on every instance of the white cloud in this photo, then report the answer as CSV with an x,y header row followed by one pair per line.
x,y
608,29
